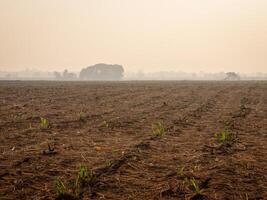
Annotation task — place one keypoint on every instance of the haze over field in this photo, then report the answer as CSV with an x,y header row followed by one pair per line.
x,y
148,35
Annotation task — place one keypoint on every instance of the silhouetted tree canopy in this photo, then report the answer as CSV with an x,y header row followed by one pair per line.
x,y
102,72
232,76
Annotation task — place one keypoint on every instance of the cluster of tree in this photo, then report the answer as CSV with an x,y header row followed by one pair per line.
x,y
65,75
27,74
102,72
116,72
96,72
172,75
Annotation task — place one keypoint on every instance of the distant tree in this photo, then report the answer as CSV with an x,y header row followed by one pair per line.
x,y
232,76
65,73
68,75
57,75
102,72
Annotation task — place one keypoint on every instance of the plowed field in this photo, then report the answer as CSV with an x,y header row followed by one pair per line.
x,y
108,127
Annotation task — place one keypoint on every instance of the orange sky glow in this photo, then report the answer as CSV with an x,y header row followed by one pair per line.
x,y
151,35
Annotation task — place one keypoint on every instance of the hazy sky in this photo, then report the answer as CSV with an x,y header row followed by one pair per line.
x,y
152,35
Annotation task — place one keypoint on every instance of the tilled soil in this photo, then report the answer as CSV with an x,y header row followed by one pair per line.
x,y
107,126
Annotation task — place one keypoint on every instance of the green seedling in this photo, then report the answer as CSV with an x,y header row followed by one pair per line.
x,y
224,136
158,129
59,187
82,176
81,116
85,177
44,123
191,183
180,172
108,163
105,124
195,186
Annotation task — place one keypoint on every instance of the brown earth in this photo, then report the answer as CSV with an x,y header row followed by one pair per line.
x,y
108,127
